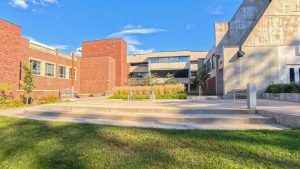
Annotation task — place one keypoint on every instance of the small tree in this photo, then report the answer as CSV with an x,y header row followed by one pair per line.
x,y
170,79
28,81
201,77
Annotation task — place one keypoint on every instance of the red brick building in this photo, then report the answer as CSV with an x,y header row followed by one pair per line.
x,y
101,67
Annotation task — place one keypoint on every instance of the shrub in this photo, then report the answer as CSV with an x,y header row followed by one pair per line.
x,y
5,90
283,88
145,90
47,100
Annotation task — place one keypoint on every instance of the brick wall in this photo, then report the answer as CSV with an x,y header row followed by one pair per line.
x,y
97,74
50,83
210,86
10,51
114,48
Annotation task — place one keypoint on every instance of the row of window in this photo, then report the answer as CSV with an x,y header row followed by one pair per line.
x,y
170,59
139,64
50,70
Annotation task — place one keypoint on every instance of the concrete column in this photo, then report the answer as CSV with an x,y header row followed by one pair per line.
x,y
252,96
189,87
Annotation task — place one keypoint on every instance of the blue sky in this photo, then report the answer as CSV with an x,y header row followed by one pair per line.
x,y
147,25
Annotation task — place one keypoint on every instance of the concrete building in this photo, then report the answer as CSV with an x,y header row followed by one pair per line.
x,y
101,67
260,44
182,64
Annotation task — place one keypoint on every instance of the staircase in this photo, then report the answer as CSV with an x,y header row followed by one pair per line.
x,y
236,94
220,119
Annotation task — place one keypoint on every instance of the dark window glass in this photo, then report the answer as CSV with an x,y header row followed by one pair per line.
x,y
177,73
139,64
292,75
194,73
194,62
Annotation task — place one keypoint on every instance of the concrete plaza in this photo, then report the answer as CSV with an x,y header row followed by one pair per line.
x,y
204,113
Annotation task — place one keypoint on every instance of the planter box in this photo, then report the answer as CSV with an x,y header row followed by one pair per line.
x,y
290,97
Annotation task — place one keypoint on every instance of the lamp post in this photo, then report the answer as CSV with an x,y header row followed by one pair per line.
x,y
72,77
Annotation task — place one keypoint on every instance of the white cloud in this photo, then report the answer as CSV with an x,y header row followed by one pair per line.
x,y
18,3
24,4
60,47
216,10
130,33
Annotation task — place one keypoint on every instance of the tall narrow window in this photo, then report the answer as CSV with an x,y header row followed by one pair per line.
x,y
62,72
292,75
70,73
49,70
36,67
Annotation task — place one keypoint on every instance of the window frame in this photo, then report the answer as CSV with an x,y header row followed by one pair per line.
x,y
53,70
65,72
34,71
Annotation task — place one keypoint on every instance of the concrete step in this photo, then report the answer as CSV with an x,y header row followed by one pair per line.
x,y
147,110
159,118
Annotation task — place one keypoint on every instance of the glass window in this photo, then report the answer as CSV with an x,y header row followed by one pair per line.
x,y
163,60
194,73
174,59
184,59
292,75
70,73
36,67
49,70
194,62
62,72
154,60
142,74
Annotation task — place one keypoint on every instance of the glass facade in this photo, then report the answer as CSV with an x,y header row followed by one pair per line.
x,y
177,73
169,59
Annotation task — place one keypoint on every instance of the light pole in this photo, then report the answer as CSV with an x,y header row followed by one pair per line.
x,y
72,77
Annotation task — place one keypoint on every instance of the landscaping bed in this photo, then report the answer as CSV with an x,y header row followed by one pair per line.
x,y
283,92
174,91
28,144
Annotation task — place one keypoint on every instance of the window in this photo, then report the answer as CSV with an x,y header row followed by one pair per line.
x,y
177,73
292,75
194,62
49,70
170,59
153,60
194,73
62,72
184,59
139,64
70,73
36,67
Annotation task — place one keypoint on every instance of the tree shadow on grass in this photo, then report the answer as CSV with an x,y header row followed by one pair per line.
x,y
70,145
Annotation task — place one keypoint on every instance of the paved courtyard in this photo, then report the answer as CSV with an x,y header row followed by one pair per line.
x,y
209,113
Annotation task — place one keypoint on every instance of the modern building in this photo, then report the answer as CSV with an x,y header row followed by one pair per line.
x,y
260,45
101,67
182,64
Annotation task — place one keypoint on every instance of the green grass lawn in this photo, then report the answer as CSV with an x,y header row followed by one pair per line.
x,y
28,144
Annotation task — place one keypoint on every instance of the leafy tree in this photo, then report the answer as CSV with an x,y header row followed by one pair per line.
x,y
170,79
201,77
28,81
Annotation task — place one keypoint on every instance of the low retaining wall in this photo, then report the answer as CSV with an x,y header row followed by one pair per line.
x,y
289,97
284,119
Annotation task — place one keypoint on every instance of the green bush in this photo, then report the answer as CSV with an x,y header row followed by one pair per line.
x,y
283,88
172,96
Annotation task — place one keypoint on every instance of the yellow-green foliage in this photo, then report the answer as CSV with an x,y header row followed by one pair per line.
x,y
47,100
145,90
4,89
